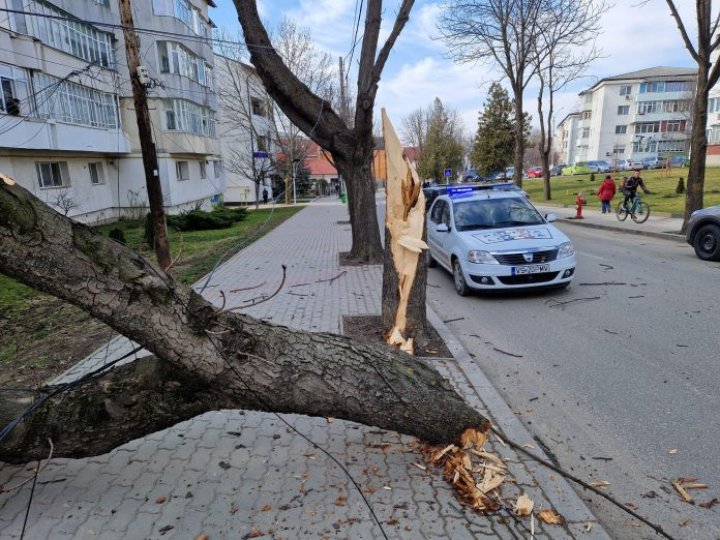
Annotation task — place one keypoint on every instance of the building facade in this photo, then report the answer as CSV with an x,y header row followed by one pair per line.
x,y
635,115
246,130
67,121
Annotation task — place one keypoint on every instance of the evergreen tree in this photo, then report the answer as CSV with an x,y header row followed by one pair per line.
x,y
443,148
494,145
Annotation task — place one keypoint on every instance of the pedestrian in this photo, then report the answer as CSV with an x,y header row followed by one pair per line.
x,y
265,195
606,192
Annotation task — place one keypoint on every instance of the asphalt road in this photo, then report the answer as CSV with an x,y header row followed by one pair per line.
x,y
618,376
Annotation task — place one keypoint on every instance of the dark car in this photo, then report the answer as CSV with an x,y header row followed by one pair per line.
x,y
556,170
703,233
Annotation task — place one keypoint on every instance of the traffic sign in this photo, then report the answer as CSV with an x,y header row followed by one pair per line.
x,y
259,155
448,172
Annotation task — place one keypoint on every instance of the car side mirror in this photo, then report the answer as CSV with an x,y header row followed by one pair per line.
x,y
550,217
442,227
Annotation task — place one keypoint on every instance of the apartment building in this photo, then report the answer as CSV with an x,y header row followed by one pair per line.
x,y
634,115
246,130
67,121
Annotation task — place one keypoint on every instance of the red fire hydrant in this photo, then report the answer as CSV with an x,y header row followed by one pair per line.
x,y
580,200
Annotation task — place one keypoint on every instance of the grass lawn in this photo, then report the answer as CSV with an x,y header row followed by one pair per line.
x,y
41,335
662,199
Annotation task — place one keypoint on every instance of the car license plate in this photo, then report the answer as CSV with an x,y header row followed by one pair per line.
x,y
530,269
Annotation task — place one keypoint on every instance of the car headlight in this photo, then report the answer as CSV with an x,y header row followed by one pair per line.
x,y
566,250
481,257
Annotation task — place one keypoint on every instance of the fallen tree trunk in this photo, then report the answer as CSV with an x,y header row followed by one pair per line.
x,y
207,358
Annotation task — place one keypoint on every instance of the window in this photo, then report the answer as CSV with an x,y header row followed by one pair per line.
x,y
585,133
218,168
183,115
74,103
714,105
647,127
76,38
620,129
104,3
623,110
649,107
17,20
52,174
652,87
586,115
678,105
625,90
174,58
96,173
203,169
258,107
262,143
678,86
182,170
675,126
182,10
13,90
618,149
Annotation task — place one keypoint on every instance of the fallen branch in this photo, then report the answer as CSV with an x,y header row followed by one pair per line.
x,y
507,353
332,278
249,288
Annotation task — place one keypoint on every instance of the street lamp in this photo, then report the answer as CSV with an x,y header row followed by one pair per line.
x,y
295,164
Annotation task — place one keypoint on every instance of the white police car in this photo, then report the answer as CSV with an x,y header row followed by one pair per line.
x,y
491,237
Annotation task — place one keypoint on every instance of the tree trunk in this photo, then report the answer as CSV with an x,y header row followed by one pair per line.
x,y
698,147
209,358
519,134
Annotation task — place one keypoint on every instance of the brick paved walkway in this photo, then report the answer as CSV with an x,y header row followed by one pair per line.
x,y
235,474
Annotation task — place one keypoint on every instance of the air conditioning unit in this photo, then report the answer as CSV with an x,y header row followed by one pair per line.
x,y
627,97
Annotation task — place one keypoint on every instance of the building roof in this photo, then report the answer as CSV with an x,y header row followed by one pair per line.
x,y
658,72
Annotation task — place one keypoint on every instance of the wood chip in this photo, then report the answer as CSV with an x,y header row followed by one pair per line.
x,y
421,467
523,506
599,484
550,517
684,494
695,486
673,451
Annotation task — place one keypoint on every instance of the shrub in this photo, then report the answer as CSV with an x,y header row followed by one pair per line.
x,y
198,220
680,186
117,234
592,176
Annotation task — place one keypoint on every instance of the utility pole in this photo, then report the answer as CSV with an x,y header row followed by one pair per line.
x,y
147,146
344,112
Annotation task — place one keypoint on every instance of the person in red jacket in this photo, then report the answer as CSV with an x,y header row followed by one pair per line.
x,y
606,192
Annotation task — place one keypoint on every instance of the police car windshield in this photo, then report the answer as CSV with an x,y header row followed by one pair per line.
x,y
495,214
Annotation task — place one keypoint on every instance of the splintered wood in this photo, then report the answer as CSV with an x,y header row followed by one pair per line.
x,y
404,219
474,474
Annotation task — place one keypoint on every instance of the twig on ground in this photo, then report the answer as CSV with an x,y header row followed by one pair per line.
x,y
507,353
332,278
248,288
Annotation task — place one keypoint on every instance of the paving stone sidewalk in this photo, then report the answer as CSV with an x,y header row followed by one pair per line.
x,y
235,474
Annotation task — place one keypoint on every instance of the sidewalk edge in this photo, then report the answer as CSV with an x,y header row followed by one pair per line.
x,y
561,493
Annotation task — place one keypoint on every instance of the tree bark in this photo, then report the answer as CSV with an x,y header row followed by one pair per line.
x,y
208,358
316,118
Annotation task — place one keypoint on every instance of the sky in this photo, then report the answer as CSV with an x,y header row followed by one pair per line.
x,y
633,37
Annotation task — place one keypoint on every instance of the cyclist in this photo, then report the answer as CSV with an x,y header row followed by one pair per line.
x,y
630,187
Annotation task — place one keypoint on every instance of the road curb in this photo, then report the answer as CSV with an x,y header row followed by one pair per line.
x,y
664,235
560,493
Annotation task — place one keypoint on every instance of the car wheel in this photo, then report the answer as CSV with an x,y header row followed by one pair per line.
x,y
430,261
707,243
459,279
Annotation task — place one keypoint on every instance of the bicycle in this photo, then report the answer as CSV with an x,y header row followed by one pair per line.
x,y
639,210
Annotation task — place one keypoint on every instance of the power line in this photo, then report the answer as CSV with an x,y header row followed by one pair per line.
x,y
201,39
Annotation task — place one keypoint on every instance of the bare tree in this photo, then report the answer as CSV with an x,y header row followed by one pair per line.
x,y
564,28
64,201
708,41
415,127
246,123
503,32
206,358
351,146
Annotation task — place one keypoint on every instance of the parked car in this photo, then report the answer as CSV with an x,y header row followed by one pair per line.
x,y
703,233
556,170
534,172
599,165
652,163
492,238
623,165
581,167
